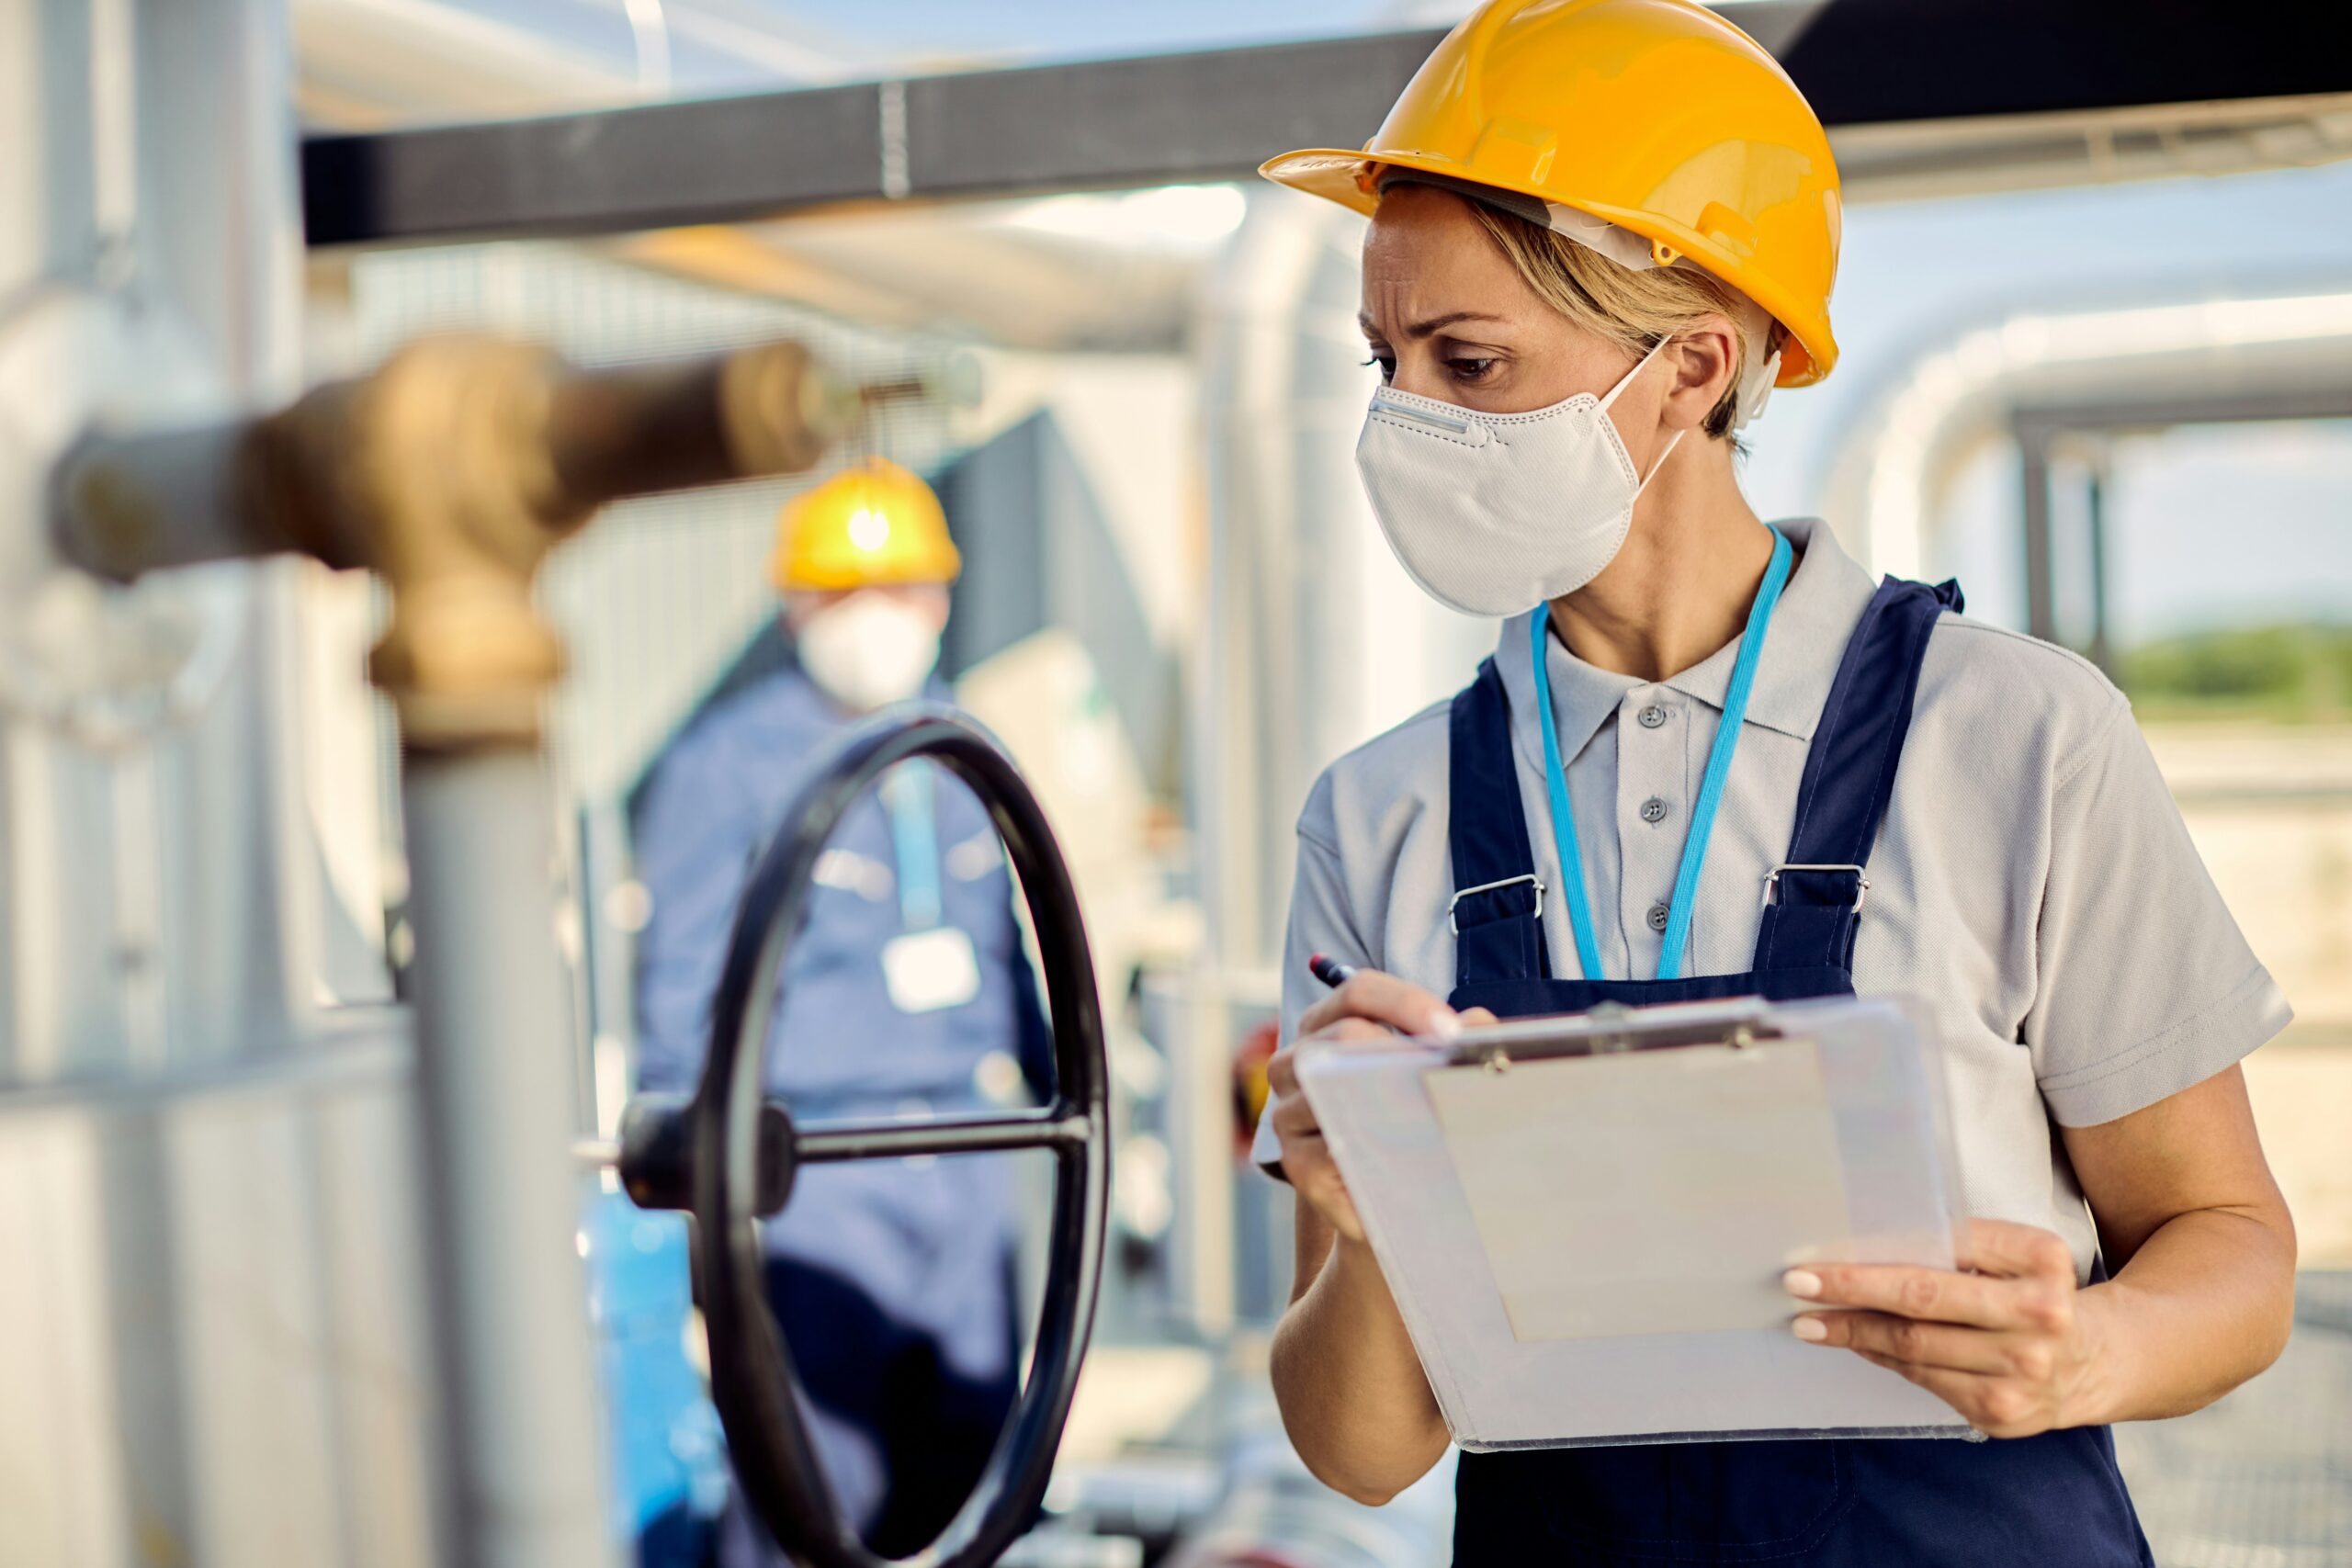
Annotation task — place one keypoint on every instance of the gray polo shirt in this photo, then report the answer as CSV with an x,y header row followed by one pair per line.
x,y
2033,883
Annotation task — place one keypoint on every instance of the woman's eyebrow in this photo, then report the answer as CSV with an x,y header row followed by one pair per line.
x,y
1434,324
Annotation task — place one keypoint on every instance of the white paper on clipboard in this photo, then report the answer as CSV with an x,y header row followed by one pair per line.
x,y
1522,1217
1545,1151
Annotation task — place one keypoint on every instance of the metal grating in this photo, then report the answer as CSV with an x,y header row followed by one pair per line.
x,y
2262,1478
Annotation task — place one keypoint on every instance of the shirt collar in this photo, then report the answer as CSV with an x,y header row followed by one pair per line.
x,y
1819,607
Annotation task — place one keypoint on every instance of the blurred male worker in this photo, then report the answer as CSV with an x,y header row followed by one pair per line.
x,y
907,992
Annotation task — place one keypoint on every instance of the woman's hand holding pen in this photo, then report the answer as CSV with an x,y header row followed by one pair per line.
x,y
2011,1347
1354,1399
1364,1005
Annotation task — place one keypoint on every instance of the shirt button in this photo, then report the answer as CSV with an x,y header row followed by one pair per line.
x,y
1652,717
1654,810
1657,917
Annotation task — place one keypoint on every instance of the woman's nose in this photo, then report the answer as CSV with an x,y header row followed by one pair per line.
x,y
1421,375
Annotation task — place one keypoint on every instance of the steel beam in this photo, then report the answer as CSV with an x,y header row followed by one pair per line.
x,y
1214,115
2040,587
2110,414
1096,125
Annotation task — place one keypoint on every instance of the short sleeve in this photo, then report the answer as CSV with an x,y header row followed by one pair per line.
x,y
2144,984
1320,921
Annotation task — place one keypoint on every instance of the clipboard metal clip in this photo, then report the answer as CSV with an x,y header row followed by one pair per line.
x,y
1612,1028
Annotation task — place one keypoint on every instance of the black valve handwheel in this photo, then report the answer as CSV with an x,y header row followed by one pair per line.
x,y
741,1150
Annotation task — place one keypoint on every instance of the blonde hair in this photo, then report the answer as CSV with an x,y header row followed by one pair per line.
x,y
1635,309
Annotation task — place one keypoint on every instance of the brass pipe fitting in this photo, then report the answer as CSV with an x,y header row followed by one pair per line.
x,y
451,471
465,460
435,473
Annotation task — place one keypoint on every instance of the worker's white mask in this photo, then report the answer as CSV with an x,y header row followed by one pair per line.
x,y
869,651
1493,513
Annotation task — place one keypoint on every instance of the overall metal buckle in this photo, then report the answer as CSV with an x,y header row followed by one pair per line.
x,y
1492,887
1772,881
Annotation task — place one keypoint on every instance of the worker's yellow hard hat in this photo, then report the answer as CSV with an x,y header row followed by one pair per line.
x,y
869,526
1656,116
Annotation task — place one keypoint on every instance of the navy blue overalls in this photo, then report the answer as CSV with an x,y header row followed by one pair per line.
x,y
2052,1501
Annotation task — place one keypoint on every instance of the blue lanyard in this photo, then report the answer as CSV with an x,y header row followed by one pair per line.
x,y
1711,785
914,843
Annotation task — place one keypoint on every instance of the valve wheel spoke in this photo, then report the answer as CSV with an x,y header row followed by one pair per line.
x,y
1059,1127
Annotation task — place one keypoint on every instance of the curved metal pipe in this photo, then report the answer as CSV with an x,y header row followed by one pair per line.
x,y
1891,473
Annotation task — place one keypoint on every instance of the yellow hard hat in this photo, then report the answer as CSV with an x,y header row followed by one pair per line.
x,y
1656,116
869,526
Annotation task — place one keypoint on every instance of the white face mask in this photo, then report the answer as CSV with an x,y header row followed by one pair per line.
x,y
1493,513
869,651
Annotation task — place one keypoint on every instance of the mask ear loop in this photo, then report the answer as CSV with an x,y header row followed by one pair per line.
x,y
1671,442
1639,366
1626,380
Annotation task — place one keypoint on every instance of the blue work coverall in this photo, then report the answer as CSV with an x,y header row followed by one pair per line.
x,y
893,1280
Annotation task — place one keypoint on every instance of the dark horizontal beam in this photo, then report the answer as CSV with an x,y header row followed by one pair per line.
x,y
1892,62
1096,125
1217,115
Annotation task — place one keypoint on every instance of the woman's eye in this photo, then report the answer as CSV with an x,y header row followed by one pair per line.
x,y
1388,367
1470,369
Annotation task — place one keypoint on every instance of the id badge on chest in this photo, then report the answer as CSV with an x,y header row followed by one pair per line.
x,y
925,971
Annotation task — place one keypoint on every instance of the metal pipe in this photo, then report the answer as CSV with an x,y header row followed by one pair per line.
x,y
495,1085
2094,518
517,432
2135,366
2034,538
126,505
940,1135
640,429
1316,642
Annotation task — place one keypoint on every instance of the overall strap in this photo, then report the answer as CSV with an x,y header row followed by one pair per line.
x,y
1813,900
1497,902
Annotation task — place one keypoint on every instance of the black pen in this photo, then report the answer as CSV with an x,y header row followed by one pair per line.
x,y
1330,970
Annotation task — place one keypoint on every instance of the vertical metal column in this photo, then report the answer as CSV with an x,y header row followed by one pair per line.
x,y
2040,591
2095,476
497,1097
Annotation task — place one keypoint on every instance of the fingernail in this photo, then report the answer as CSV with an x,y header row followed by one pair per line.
x,y
1801,1283
1811,1328
1445,1025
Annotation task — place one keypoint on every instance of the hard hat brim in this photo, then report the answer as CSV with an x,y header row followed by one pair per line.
x,y
1337,174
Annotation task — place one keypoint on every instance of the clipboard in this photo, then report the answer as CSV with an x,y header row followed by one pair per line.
x,y
1584,1219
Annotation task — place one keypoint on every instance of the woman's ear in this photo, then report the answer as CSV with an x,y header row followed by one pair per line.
x,y
1705,357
